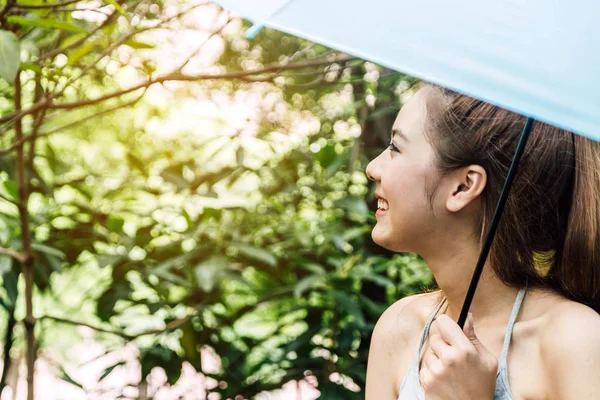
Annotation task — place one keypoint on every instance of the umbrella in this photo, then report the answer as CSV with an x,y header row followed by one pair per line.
x,y
537,58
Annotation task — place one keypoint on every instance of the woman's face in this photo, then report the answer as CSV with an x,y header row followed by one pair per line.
x,y
405,174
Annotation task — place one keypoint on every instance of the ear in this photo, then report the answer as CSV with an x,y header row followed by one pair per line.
x,y
467,184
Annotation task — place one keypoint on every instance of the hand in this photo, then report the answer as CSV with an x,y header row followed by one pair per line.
x,y
456,366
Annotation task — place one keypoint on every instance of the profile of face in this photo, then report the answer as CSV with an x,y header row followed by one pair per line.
x,y
411,215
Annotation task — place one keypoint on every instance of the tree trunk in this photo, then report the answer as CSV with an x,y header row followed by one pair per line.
x,y
27,265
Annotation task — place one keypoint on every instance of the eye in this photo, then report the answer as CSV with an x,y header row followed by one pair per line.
x,y
392,146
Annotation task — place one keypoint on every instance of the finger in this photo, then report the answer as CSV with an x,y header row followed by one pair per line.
x,y
429,365
468,329
451,333
425,378
428,355
438,346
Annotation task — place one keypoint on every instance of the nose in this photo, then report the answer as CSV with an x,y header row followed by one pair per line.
x,y
372,170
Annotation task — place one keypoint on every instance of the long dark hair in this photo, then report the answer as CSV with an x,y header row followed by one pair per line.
x,y
549,232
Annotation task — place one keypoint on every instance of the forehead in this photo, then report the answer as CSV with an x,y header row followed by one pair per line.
x,y
413,115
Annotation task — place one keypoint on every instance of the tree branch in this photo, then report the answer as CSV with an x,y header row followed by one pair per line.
x,y
170,326
38,118
79,323
70,10
197,51
241,75
27,263
76,43
47,101
14,254
69,125
5,10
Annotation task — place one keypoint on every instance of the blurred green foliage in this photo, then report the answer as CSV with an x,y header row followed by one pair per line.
x,y
187,233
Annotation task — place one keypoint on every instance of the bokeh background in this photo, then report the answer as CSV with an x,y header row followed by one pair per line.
x,y
184,212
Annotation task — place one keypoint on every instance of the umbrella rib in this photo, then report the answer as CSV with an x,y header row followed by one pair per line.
x,y
495,220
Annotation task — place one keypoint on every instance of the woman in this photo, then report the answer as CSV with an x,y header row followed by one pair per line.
x,y
535,311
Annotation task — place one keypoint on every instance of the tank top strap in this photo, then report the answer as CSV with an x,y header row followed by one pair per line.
x,y
428,324
510,326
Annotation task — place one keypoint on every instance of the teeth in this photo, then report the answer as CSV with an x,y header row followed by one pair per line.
x,y
382,204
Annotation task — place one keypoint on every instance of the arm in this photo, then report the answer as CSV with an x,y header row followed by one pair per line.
x,y
393,343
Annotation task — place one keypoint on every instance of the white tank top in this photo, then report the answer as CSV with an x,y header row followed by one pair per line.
x,y
411,387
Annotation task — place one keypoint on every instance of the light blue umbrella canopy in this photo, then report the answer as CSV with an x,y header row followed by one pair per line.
x,y
540,58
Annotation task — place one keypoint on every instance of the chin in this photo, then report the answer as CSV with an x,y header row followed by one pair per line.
x,y
391,240
384,240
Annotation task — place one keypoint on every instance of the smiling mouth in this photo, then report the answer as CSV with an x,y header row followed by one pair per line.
x,y
382,204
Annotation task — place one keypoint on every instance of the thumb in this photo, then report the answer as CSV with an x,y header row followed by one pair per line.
x,y
469,331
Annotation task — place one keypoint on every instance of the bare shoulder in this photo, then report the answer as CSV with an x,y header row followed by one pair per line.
x,y
570,322
405,317
570,345
393,343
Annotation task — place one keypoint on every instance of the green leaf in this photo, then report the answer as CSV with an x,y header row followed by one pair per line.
x,y
138,45
80,51
187,216
5,264
306,283
240,155
31,67
48,250
209,272
136,163
11,189
10,55
208,213
41,273
110,369
10,281
44,23
188,343
252,253
351,307
115,224
5,231
358,231
164,358
353,204
311,266
345,339
378,279
372,308
118,8
326,155
174,175
143,235
108,300
65,377
71,39
106,259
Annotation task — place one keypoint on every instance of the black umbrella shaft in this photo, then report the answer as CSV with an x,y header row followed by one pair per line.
x,y
494,225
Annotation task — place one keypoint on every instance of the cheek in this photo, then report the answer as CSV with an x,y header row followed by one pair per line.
x,y
407,185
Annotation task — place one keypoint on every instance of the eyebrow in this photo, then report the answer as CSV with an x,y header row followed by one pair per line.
x,y
398,132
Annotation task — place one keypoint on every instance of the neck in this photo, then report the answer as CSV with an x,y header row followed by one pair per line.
x,y
453,271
